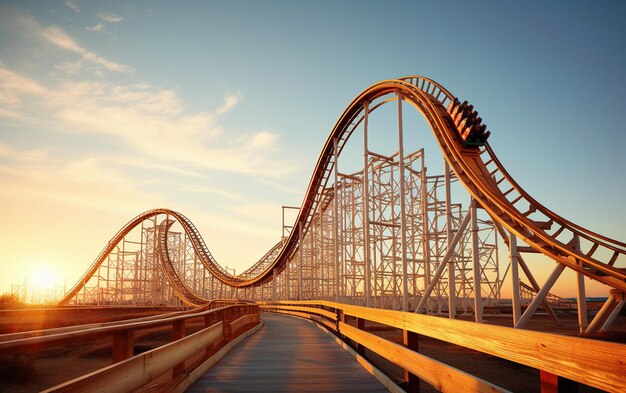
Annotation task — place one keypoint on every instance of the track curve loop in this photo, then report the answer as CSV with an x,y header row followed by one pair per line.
x,y
478,168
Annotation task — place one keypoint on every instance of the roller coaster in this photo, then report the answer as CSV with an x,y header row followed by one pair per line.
x,y
389,235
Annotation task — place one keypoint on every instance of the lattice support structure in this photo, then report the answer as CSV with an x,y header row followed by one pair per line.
x,y
393,233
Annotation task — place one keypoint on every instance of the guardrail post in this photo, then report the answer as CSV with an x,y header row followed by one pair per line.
x,y
178,332
360,324
226,319
340,318
411,341
551,383
227,331
123,346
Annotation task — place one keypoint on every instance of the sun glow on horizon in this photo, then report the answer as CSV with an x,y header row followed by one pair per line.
x,y
42,277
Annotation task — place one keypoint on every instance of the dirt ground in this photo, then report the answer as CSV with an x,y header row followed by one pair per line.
x,y
31,372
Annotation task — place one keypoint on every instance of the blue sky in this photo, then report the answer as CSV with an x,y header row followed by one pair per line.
x,y
220,109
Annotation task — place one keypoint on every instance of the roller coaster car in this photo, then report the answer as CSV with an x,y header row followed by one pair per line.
x,y
467,123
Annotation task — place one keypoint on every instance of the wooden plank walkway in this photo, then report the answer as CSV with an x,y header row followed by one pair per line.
x,y
287,355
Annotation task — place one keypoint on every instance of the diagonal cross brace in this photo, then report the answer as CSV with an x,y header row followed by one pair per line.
x,y
444,262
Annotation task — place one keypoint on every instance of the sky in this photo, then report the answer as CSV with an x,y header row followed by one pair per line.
x,y
219,110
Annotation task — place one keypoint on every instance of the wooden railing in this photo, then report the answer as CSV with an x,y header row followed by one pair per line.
x,y
594,363
128,372
213,304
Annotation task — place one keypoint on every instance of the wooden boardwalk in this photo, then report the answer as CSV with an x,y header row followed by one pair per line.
x,y
287,355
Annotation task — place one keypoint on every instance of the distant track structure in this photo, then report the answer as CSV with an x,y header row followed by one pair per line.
x,y
389,235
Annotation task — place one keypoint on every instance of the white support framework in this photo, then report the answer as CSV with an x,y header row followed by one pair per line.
x,y
406,230
380,230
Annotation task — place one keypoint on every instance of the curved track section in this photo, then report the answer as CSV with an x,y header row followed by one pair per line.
x,y
478,168
181,290
482,174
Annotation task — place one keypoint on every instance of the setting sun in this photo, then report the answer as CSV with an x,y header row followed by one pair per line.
x,y
43,278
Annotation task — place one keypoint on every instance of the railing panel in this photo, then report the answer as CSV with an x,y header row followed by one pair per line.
x,y
599,364
443,377
133,373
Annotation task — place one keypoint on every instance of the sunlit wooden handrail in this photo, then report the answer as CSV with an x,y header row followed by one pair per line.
x,y
47,340
133,373
213,304
128,373
599,364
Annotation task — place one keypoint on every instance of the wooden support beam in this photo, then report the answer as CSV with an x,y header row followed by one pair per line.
x,y
541,295
123,346
443,264
411,341
360,324
178,332
551,383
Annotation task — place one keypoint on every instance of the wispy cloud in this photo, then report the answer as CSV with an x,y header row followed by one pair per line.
x,y
95,28
14,89
10,114
150,129
72,5
25,25
111,18
230,101
89,182
60,38
151,121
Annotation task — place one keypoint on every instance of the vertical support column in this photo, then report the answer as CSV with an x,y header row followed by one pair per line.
x,y
425,230
274,285
336,218
321,260
478,307
300,258
451,262
312,278
581,294
156,295
405,280
411,341
287,265
287,269
366,210
283,226
581,297
515,297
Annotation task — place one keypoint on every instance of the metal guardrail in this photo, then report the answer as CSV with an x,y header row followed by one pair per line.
x,y
599,364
